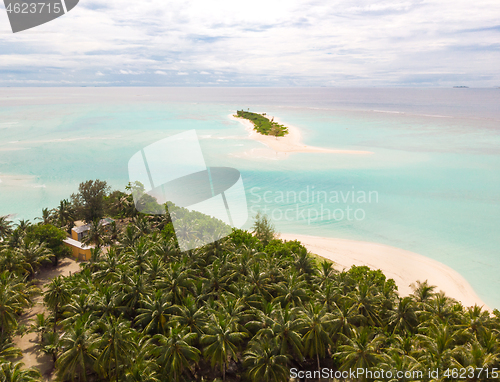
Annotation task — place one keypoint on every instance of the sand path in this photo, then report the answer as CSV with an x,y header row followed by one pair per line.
x,y
28,343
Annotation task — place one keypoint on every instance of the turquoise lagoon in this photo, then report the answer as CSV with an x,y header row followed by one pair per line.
x,y
432,184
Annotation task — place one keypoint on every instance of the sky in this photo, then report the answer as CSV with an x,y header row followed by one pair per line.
x,y
282,43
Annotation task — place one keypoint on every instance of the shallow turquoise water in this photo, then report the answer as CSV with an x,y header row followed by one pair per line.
x,y
433,178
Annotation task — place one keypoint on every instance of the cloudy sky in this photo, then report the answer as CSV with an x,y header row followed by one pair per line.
x,y
259,43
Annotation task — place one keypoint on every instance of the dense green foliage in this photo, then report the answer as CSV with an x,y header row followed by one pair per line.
x,y
89,202
238,309
262,124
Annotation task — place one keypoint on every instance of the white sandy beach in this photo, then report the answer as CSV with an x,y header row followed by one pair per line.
x,y
290,143
403,266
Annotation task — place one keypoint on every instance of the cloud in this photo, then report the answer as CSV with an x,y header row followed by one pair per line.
x,y
279,43
130,72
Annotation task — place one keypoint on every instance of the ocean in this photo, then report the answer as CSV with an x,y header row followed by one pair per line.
x,y
431,186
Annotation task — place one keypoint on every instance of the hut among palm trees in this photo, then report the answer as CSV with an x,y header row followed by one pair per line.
x,y
76,242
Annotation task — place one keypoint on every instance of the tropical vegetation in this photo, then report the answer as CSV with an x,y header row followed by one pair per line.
x,y
247,307
262,124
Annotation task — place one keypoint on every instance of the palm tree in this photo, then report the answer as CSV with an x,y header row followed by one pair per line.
x,y
135,291
5,227
292,290
153,315
404,318
361,351
141,224
106,301
56,296
23,226
190,316
438,346
129,237
13,298
96,235
367,300
50,345
144,368
422,291
175,352
40,326
78,346
346,317
326,273
46,216
474,356
13,372
11,261
283,326
66,214
8,350
174,282
265,363
33,255
316,324
221,342
139,254
116,345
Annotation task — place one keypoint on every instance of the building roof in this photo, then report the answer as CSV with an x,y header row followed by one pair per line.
x,y
76,243
86,227
82,228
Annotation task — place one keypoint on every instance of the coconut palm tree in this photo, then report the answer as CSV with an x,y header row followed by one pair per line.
x,y
33,255
292,290
403,319
316,326
175,352
116,346
13,372
5,227
189,315
96,235
265,363
50,345
40,326
422,291
8,350
361,351
221,342
283,326
78,351
65,214
23,226
46,216
153,315
11,261
13,298
438,346
56,296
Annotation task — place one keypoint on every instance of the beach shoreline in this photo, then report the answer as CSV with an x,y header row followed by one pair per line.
x,y
290,143
403,266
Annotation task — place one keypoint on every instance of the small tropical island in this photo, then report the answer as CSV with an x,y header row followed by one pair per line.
x,y
262,124
247,307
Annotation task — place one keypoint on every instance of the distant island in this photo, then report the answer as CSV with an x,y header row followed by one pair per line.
x,y
460,87
262,124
